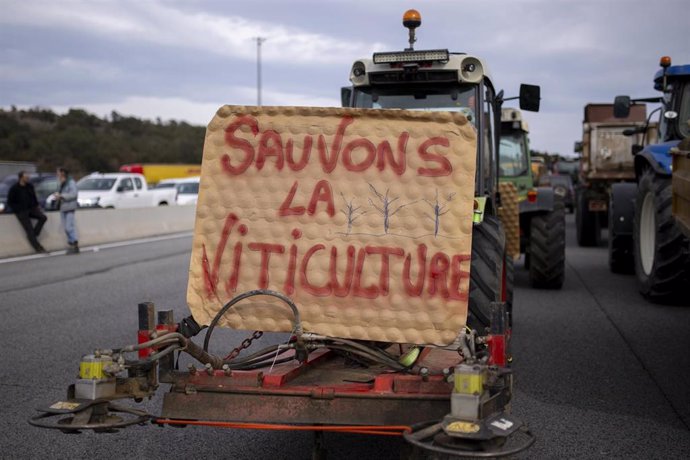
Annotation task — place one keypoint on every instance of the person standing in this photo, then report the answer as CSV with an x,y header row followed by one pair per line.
x,y
21,198
67,199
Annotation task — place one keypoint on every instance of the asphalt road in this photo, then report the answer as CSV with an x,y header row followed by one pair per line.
x,y
600,373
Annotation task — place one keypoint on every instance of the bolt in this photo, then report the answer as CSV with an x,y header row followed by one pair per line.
x,y
192,369
226,369
209,369
424,372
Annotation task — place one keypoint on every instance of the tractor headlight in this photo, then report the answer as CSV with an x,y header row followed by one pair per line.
x,y
358,75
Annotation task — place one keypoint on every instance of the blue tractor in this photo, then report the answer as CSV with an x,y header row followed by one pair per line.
x,y
660,250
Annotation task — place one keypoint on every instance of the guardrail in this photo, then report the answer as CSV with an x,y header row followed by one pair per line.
x,y
97,226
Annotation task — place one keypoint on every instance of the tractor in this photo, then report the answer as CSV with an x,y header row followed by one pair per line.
x,y
534,217
660,249
370,239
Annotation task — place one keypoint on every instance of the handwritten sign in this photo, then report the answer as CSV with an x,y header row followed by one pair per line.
x,y
362,217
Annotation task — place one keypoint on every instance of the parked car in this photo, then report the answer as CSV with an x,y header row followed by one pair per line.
x,y
120,190
44,184
187,189
563,187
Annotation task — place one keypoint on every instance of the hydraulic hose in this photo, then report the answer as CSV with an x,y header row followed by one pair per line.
x,y
169,337
394,364
297,326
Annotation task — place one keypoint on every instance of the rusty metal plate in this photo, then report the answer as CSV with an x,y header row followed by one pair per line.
x,y
300,409
362,217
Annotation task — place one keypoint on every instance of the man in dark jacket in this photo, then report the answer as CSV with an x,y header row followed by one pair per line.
x,y
22,200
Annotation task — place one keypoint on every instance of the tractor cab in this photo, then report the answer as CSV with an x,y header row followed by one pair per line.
x,y
674,115
437,80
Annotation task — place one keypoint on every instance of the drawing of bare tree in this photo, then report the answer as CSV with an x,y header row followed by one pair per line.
x,y
386,207
439,209
351,212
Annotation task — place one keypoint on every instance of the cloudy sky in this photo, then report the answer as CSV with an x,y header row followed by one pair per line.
x,y
182,59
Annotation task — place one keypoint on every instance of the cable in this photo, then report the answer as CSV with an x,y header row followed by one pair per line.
x,y
261,364
297,319
395,365
264,357
371,353
265,351
355,344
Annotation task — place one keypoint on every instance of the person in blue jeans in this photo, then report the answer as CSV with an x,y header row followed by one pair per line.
x,y
67,199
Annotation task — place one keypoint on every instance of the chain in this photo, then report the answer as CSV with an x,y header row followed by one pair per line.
x,y
246,343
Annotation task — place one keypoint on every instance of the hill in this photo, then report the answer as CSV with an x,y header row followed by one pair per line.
x,y
83,142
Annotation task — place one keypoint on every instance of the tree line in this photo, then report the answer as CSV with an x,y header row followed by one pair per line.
x,y
84,143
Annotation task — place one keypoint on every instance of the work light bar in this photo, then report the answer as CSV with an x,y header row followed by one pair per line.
x,y
395,57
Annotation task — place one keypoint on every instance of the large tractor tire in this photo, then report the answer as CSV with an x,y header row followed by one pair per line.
x,y
547,248
661,250
486,271
621,214
509,267
586,223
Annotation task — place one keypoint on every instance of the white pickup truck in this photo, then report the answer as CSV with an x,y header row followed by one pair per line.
x,y
120,190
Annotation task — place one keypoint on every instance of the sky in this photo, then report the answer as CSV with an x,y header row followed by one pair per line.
x,y
183,59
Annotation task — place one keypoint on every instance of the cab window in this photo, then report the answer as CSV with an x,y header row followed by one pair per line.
x,y
488,164
450,98
513,155
127,185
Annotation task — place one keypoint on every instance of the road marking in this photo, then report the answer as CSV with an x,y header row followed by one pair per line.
x,y
98,247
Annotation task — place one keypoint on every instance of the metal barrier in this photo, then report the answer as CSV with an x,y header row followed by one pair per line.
x,y
97,226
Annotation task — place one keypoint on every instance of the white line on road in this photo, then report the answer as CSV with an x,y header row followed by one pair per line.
x,y
98,247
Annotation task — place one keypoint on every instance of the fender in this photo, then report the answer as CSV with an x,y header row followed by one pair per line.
x,y
545,200
658,156
622,207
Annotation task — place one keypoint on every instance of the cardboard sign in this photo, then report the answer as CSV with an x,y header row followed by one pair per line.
x,y
362,217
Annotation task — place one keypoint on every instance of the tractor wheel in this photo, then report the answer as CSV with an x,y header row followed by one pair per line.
x,y
586,223
547,248
508,265
486,272
621,209
661,250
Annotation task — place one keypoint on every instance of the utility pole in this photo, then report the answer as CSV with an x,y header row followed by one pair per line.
x,y
259,41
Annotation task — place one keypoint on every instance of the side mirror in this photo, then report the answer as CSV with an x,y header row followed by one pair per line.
x,y
120,189
577,147
530,96
621,106
345,96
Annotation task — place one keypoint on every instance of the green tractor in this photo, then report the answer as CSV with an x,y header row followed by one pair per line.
x,y
533,217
